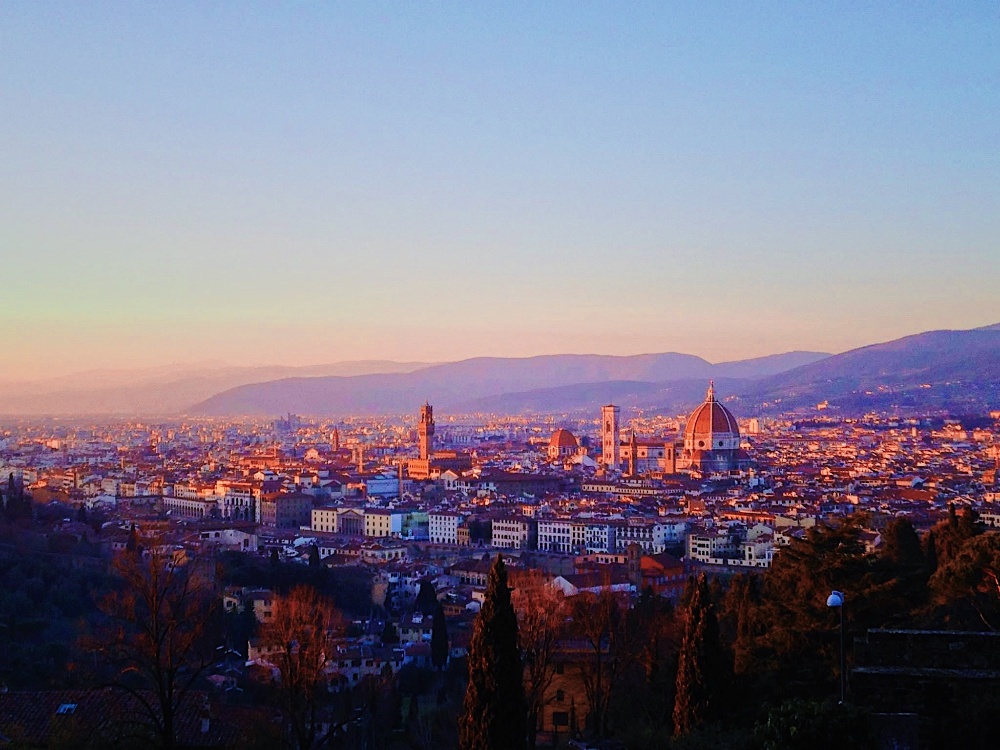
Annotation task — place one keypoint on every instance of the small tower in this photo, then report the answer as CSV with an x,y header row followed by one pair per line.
x,y
633,456
335,440
610,446
669,458
425,431
633,555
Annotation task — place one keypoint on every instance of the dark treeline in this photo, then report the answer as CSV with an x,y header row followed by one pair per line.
x,y
751,661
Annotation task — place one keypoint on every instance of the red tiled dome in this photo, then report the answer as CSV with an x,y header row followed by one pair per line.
x,y
563,439
711,420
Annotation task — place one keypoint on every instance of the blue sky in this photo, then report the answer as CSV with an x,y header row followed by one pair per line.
x,y
318,182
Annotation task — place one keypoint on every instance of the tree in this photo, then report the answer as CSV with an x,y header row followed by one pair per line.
x,y
949,535
904,568
643,693
426,598
797,647
314,559
132,544
813,725
699,666
493,716
299,641
739,615
597,621
16,504
540,613
390,636
439,639
968,585
160,641
930,552
900,544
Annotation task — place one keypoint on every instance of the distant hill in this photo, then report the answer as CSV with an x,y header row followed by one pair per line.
x,y
161,390
670,397
956,370
459,385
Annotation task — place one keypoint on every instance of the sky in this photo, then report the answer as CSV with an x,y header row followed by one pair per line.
x,y
316,182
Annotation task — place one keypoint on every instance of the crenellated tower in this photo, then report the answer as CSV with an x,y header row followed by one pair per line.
x,y
425,431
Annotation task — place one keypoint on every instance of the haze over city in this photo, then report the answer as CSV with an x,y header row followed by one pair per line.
x,y
321,183
507,376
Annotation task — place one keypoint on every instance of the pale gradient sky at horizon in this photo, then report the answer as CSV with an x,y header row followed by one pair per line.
x,y
296,184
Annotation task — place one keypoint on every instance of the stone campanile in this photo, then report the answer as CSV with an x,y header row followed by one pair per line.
x,y
425,431
610,445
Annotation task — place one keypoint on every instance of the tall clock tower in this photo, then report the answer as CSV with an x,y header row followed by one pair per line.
x,y
425,431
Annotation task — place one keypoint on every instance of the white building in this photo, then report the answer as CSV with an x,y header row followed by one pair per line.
x,y
555,535
514,533
650,535
443,527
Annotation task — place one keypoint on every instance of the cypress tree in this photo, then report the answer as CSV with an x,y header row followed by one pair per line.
x,y
132,545
743,643
439,639
900,543
699,663
493,712
930,552
426,598
389,635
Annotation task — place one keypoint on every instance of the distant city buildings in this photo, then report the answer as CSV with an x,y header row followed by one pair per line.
x,y
701,487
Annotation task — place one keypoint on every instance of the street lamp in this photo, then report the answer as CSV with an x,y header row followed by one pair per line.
x,y
836,599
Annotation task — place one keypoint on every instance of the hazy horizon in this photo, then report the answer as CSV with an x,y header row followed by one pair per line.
x,y
312,184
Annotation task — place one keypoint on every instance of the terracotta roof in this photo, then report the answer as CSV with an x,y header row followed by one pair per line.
x,y
563,439
711,418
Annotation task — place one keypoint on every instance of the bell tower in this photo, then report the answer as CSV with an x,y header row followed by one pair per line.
x,y
610,445
425,431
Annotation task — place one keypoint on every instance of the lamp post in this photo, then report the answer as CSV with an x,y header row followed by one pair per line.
x,y
836,599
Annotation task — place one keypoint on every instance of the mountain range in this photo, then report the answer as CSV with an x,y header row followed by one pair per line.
x,y
170,389
949,370
461,386
955,370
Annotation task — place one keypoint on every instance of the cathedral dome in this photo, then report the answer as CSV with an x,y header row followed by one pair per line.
x,y
711,426
563,439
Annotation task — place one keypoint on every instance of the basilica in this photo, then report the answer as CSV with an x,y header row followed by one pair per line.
x,y
711,444
711,439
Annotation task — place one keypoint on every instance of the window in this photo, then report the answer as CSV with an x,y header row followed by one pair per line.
x,y
560,718
560,696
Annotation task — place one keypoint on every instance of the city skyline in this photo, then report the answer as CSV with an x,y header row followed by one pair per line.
x,y
320,184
